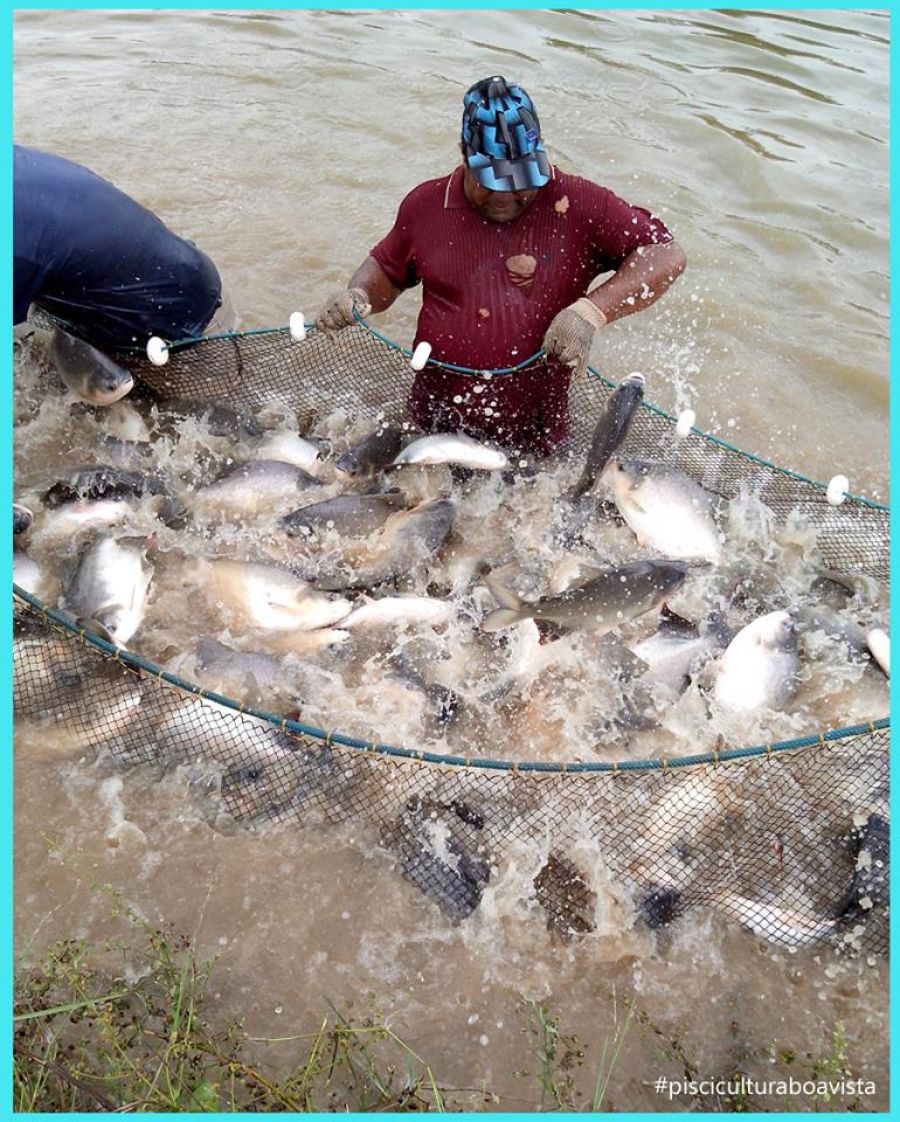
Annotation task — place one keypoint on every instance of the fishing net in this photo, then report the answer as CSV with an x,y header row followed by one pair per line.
x,y
788,839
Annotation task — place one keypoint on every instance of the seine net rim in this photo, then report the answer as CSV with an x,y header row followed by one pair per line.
x,y
198,342
767,835
142,666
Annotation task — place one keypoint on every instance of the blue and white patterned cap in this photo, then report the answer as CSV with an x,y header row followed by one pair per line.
x,y
501,135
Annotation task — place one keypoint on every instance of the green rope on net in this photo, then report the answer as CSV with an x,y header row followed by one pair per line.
x,y
135,662
181,344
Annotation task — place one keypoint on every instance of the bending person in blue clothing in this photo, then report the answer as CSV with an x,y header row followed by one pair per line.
x,y
107,270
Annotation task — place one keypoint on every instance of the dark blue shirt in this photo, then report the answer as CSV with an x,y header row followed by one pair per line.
x,y
106,266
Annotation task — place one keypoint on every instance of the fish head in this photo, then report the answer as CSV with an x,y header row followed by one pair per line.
x,y
22,518
624,476
89,373
777,631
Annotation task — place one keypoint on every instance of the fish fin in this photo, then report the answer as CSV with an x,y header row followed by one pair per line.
x,y
504,596
502,617
671,621
95,627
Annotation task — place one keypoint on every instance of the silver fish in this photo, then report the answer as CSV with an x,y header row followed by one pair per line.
x,y
759,667
600,605
109,584
88,372
290,448
440,849
842,627
253,487
870,884
667,510
784,927
677,648
451,448
398,610
269,596
60,681
243,675
72,518
611,430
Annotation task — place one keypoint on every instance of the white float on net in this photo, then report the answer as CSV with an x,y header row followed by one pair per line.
x,y
420,356
838,490
880,646
685,422
157,350
297,326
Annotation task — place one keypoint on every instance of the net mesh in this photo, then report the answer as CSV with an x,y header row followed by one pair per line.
x,y
789,840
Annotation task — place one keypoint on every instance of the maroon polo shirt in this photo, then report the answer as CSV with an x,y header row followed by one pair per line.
x,y
490,290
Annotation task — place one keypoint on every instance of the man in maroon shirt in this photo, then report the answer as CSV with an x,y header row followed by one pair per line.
x,y
505,248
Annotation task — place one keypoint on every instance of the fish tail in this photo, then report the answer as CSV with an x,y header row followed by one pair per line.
x,y
503,617
504,596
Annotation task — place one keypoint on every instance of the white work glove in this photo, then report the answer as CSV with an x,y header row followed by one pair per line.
x,y
337,311
571,333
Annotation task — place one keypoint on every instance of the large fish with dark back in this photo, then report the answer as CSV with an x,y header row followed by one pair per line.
x,y
405,540
599,606
611,430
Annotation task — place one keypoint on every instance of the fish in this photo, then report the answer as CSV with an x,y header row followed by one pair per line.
x,y
677,648
124,453
62,682
840,626
600,605
785,927
251,488
450,448
22,519
290,448
268,596
667,510
263,769
368,456
442,701
759,667
879,646
88,372
244,675
611,430
407,538
562,890
109,584
27,573
284,777
870,884
398,610
218,418
49,670
73,518
101,482
439,848
357,515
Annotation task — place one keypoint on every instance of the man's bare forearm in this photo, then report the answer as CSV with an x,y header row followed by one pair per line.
x,y
640,280
371,279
